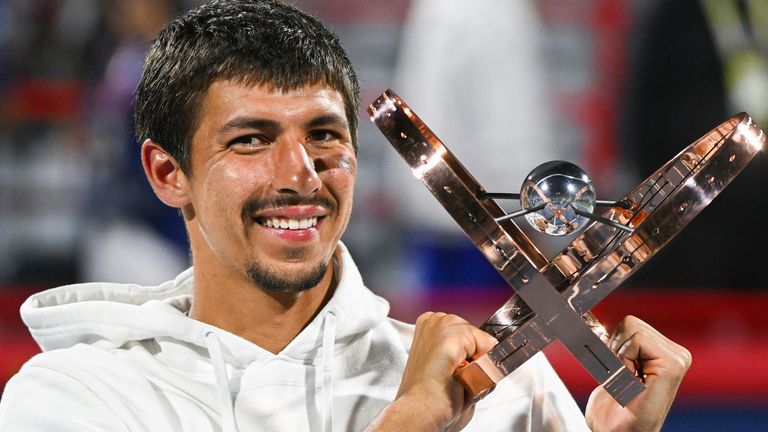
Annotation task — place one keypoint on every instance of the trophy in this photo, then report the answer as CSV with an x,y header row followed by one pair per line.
x,y
552,297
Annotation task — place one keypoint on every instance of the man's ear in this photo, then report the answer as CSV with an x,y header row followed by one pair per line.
x,y
165,176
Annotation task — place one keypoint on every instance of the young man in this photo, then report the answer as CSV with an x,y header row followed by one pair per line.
x,y
247,112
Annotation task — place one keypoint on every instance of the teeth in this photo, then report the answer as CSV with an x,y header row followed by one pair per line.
x,y
292,224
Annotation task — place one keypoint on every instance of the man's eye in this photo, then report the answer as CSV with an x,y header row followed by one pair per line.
x,y
321,135
249,141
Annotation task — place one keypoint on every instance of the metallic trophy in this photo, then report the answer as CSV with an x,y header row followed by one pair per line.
x,y
553,297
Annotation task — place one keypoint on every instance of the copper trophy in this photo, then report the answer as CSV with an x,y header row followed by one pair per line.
x,y
552,298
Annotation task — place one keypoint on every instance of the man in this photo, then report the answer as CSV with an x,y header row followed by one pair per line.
x,y
247,113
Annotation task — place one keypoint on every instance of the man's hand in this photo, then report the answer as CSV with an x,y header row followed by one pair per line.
x,y
660,362
429,398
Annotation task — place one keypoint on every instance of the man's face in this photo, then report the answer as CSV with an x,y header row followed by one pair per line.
x,y
271,182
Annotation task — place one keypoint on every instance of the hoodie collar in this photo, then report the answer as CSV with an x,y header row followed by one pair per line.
x,y
110,315
356,310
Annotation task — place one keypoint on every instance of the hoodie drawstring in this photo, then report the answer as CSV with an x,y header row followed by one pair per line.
x,y
222,382
329,341
225,394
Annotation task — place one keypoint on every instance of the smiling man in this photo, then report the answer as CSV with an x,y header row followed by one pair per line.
x,y
266,196
247,111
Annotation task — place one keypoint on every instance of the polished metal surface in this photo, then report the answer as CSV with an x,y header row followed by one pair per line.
x,y
559,193
552,298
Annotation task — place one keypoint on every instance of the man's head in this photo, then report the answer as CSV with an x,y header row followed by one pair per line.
x,y
247,110
253,41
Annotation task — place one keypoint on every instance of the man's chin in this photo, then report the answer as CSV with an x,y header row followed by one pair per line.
x,y
274,282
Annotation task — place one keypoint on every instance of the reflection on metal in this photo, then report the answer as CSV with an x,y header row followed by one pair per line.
x,y
552,298
567,192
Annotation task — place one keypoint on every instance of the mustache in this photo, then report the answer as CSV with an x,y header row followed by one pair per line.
x,y
257,205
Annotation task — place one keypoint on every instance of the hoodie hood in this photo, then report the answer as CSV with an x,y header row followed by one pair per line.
x,y
109,315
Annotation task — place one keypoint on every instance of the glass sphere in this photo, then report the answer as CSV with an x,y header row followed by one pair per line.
x,y
561,187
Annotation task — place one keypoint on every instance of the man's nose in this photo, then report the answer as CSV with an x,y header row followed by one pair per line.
x,y
295,171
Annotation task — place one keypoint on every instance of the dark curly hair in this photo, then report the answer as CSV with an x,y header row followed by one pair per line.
x,y
255,41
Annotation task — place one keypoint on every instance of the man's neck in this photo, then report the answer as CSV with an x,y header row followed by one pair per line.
x,y
269,320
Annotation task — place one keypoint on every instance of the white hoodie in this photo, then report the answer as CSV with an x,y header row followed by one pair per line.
x,y
128,358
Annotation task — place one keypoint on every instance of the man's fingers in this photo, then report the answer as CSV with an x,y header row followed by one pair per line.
x,y
483,342
454,329
637,343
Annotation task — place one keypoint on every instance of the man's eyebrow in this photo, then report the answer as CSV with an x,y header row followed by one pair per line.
x,y
326,120
247,123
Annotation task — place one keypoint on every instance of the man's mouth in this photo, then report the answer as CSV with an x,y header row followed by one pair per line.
x,y
287,223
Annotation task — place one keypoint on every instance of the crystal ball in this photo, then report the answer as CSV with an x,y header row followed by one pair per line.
x,y
561,187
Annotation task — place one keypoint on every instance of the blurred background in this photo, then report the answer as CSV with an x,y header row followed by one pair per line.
x,y
616,86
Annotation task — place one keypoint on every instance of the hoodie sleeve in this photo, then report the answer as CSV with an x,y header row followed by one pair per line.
x,y
43,399
531,399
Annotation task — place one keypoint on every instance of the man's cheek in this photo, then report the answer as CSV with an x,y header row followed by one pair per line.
x,y
342,162
346,162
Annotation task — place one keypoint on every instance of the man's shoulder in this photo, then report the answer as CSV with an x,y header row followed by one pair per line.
x,y
84,363
54,380
104,388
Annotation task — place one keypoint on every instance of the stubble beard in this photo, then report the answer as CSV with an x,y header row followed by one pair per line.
x,y
272,282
